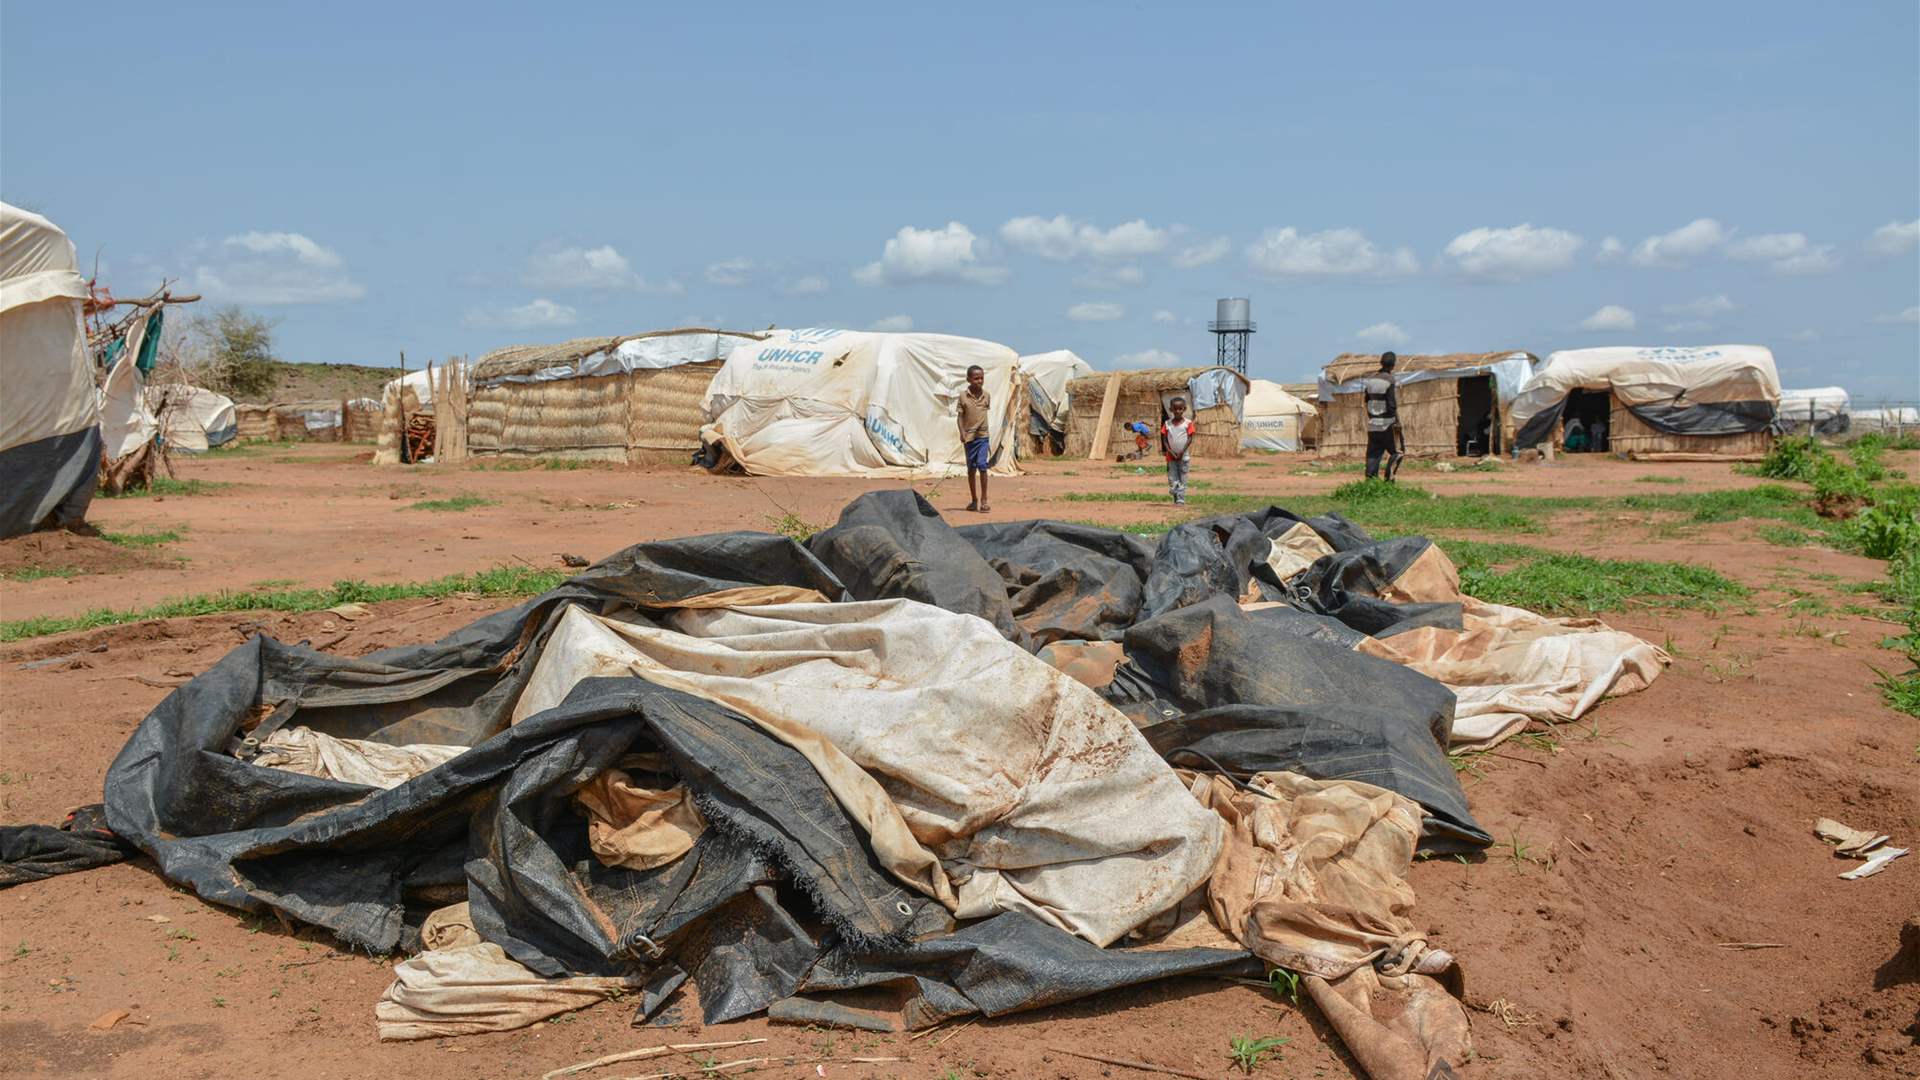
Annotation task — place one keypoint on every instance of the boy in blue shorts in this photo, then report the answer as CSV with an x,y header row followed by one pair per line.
x,y
974,402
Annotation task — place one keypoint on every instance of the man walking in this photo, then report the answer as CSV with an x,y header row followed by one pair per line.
x,y
1383,417
974,403
1176,442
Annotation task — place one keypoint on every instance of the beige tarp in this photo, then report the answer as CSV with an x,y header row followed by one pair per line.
x,y
464,985
46,378
637,827
126,423
823,402
192,418
984,777
355,761
1652,376
1047,375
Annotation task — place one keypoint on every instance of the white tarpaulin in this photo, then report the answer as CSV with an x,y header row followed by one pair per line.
x,y
44,368
1272,418
983,776
821,402
126,423
192,418
1047,375
1814,406
419,382
1653,376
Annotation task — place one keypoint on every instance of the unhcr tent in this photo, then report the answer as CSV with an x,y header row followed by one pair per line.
x,y
824,402
1046,376
634,399
1451,405
1821,411
1717,400
1274,419
192,418
49,408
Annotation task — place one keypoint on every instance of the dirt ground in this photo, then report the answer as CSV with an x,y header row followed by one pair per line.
x,y
1634,850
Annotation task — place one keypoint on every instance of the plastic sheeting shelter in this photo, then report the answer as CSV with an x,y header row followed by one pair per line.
x,y
49,406
1717,400
634,399
1451,405
825,402
192,418
1273,419
1046,376
1823,410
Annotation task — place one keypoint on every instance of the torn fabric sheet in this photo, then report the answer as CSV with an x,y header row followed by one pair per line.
x,y
354,761
637,827
985,777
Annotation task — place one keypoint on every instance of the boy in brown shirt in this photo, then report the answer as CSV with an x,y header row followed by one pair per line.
x,y
974,402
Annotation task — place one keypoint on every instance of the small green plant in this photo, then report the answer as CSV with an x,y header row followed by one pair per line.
x,y
1246,1053
1285,984
1651,479
1884,529
37,573
793,526
21,950
167,485
455,504
1792,458
141,540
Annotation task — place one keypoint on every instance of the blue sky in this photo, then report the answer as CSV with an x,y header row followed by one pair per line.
x,y
451,179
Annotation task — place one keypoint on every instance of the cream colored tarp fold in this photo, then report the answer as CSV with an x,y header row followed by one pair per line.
x,y
1047,375
355,761
46,378
823,402
984,777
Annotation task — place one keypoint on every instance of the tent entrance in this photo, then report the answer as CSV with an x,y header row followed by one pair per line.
x,y
1479,430
1590,408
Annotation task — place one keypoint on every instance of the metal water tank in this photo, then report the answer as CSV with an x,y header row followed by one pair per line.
x,y
1232,313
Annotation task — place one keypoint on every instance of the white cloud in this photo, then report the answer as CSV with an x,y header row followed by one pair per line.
x,y
1333,253
601,268
807,285
1211,251
1165,316
1063,239
1704,308
1112,277
1147,358
1673,249
1095,312
893,324
1790,253
730,272
1610,249
1385,333
1514,253
1895,238
952,253
539,313
1911,315
1689,326
273,268
1612,317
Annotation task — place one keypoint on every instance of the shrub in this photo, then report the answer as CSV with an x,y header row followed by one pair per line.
x,y
1792,458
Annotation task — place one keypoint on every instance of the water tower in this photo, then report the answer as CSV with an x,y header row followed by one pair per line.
x,y
1232,325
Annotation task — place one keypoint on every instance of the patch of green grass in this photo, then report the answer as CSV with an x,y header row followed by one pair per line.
x,y
1651,479
142,540
1137,528
454,504
550,464
40,573
1554,583
794,526
1769,501
1256,464
1786,536
510,581
167,485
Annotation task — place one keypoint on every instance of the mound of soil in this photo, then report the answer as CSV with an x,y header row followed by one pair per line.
x,y
61,550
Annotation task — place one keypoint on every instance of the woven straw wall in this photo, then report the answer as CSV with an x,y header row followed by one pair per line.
x,y
1628,434
644,417
1216,430
362,423
254,422
1429,418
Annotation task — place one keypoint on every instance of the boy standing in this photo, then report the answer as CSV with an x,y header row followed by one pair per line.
x,y
1176,441
974,402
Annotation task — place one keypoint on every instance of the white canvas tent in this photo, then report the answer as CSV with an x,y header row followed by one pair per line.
x,y
192,418
126,423
49,408
1823,409
1046,375
824,402
1272,418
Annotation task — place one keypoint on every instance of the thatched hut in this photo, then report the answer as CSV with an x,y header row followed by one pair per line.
x,y
634,399
1671,403
1108,403
1451,405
